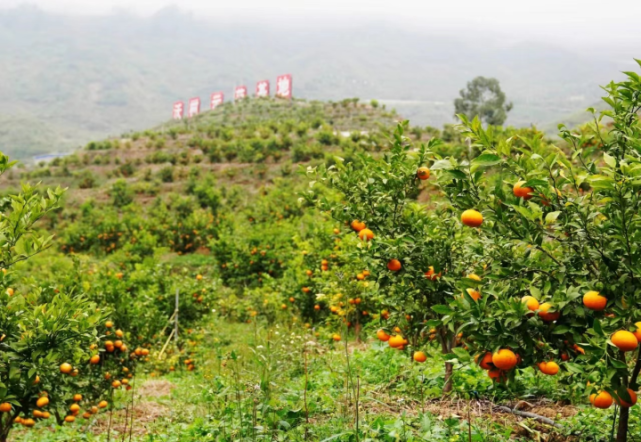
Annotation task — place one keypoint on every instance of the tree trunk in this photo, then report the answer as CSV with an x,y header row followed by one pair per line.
x,y
446,348
449,368
622,432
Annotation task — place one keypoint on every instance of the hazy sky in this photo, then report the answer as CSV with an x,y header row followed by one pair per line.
x,y
571,20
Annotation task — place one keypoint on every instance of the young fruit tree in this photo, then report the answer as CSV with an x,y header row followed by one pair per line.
x,y
561,229
418,256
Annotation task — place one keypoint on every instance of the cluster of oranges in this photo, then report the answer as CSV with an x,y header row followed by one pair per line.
x,y
499,363
395,341
603,399
364,233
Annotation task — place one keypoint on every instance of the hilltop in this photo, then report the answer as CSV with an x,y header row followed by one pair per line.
x,y
251,142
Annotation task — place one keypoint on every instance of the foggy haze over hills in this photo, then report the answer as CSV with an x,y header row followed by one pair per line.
x,y
67,79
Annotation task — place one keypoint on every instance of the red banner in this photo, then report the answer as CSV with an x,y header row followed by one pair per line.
x,y
194,107
217,98
240,92
284,86
179,110
262,88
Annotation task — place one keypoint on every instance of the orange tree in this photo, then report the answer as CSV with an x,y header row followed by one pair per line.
x,y
561,233
416,255
38,339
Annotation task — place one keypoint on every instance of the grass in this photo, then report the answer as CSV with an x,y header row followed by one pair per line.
x,y
250,384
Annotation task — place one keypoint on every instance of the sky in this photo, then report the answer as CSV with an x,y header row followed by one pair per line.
x,y
570,21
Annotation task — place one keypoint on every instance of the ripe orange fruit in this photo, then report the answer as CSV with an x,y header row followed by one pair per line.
x,y
118,344
145,352
431,275
37,414
10,291
66,368
336,337
565,357
109,324
497,374
5,407
419,356
36,380
77,397
472,218
474,294
366,234
336,231
86,415
42,402
103,404
550,368
74,407
28,422
95,359
382,335
93,410
70,419
358,225
119,333
546,315
633,399
46,415
360,276
423,173
317,307
486,361
594,301
116,384
522,192
637,333
531,302
396,341
394,265
603,400
624,340
505,359
199,277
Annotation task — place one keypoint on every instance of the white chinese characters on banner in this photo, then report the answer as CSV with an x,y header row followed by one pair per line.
x,y
194,107
217,98
284,86
262,88
178,111
240,92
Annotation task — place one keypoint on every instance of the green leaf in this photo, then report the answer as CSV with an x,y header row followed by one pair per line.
x,y
561,329
486,160
442,309
597,327
461,354
551,217
609,160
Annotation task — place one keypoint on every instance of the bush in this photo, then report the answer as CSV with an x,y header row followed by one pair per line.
x,y
121,194
166,174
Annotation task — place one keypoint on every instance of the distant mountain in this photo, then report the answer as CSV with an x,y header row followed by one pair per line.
x,y
66,80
